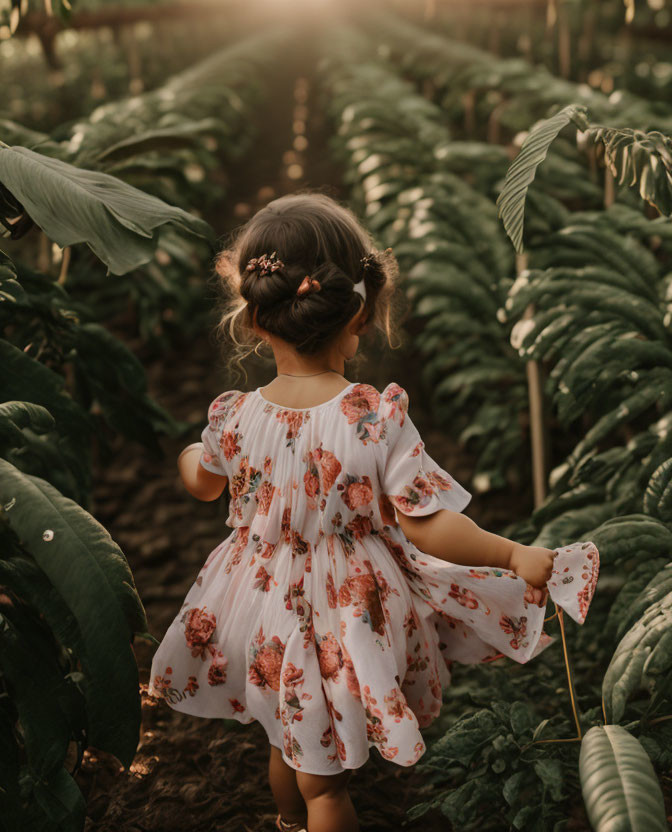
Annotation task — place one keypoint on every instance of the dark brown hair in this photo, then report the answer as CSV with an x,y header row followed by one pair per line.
x,y
311,234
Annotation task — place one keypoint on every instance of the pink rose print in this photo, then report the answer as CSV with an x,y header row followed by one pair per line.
x,y
360,406
292,675
359,526
329,655
397,706
237,707
359,402
245,480
198,630
217,670
463,596
264,497
292,708
311,483
332,598
362,592
329,467
294,419
356,491
266,661
229,443
397,400
225,405
268,466
416,496
323,469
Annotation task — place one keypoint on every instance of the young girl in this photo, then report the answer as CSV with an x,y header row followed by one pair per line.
x,y
351,580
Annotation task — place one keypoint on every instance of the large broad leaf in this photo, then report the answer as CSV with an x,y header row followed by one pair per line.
x,y
511,200
92,576
46,701
619,785
71,205
643,655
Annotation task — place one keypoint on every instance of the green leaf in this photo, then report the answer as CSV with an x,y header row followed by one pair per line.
x,y
15,415
644,159
28,657
550,774
619,785
61,801
644,653
92,576
72,205
511,200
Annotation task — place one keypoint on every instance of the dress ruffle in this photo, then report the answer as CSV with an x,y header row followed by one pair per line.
x,y
339,654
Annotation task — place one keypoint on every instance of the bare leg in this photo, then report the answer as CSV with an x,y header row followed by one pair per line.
x,y
288,798
330,808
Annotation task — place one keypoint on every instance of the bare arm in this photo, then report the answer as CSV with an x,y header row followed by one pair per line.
x,y
454,537
199,482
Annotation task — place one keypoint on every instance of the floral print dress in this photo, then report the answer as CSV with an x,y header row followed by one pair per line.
x,y
316,616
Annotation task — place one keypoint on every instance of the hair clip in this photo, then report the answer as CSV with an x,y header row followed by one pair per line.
x,y
368,260
265,264
360,288
308,284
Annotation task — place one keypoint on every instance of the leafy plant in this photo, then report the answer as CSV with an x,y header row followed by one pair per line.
x,y
645,159
619,784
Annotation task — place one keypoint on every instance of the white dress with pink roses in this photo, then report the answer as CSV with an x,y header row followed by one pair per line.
x,y
316,616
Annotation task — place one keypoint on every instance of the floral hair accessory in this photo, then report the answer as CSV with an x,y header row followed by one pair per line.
x,y
265,264
368,260
308,284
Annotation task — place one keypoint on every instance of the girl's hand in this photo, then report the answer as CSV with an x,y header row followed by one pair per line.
x,y
533,564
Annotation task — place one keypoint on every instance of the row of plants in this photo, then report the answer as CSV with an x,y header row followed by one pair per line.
x,y
175,142
69,610
470,83
404,175
97,65
608,45
480,757
564,182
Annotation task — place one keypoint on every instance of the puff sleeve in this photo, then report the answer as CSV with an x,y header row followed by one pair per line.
x,y
215,438
413,482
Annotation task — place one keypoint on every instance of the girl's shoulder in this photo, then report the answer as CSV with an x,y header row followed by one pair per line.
x,y
225,405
